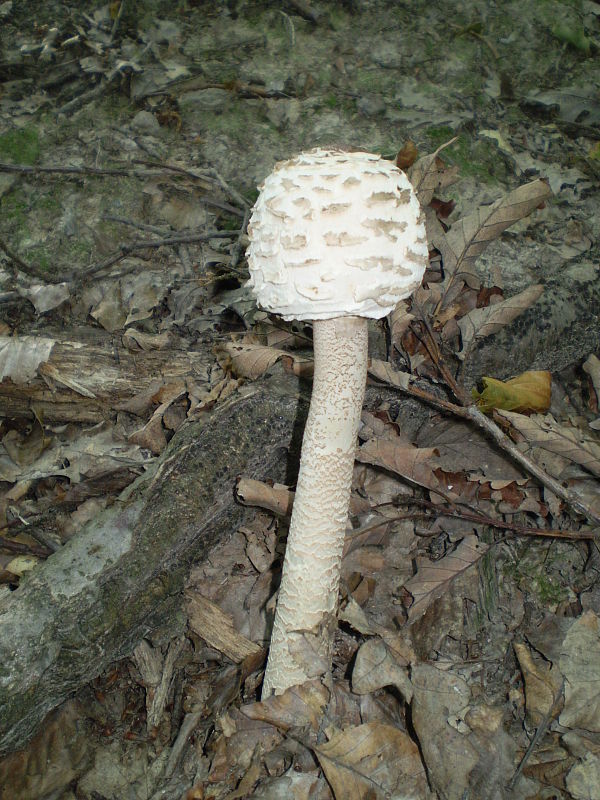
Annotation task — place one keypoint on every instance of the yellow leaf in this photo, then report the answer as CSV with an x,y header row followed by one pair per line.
x,y
526,393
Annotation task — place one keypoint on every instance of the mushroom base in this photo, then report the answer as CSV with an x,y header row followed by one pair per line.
x,y
302,634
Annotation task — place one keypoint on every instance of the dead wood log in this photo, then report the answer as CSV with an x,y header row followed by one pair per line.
x,y
121,577
83,380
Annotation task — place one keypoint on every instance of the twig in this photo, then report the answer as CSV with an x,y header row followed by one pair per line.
x,y
32,526
235,85
141,226
484,519
471,30
92,94
175,168
290,27
116,21
28,269
541,730
305,10
153,171
433,349
210,201
7,298
492,430
439,511
472,413
25,169
127,249
19,547
467,410
229,189
238,247
212,176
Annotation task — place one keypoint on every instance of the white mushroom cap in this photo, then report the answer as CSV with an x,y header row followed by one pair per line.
x,y
335,233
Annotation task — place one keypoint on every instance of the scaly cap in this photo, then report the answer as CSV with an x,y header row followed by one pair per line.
x,y
333,234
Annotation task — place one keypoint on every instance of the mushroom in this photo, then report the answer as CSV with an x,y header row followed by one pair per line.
x,y
336,238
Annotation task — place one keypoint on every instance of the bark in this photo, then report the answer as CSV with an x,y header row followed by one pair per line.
x,y
121,577
83,380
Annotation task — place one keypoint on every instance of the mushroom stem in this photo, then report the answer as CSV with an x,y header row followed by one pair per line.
x,y
305,619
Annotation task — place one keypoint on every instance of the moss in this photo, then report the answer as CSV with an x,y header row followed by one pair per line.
x,y
541,572
116,106
39,256
549,591
572,33
20,146
14,208
234,122
375,81
337,17
477,159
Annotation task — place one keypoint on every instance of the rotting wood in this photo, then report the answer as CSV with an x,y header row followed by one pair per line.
x,y
87,381
216,628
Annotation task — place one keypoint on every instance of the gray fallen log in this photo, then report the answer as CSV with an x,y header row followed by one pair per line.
x,y
88,376
121,577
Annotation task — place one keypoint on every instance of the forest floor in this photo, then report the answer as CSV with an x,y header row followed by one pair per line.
x,y
133,137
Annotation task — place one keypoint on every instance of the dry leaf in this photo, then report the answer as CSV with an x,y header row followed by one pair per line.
x,y
277,498
56,756
152,435
542,683
395,641
21,564
583,780
293,785
234,748
375,667
439,698
406,157
355,616
469,236
545,433
250,777
579,662
383,371
52,374
413,463
46,296
253,360
20,356
481,322
24,450
373,762
592,366
433,577
430,174
463,448
437,240
138,340
530,391
399,320
298,707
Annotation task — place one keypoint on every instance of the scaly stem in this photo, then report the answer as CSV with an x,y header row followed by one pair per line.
x,y
305,617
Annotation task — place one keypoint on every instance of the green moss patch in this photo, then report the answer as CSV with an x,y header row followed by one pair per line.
x,y
20,146
476,158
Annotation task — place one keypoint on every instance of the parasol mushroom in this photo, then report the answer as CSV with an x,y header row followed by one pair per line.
x,y
336,238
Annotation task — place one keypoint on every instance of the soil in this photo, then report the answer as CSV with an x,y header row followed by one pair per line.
x,y
221,91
